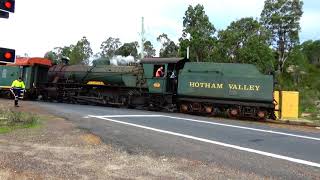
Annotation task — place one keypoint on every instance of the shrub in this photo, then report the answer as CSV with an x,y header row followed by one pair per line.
x,y
10,118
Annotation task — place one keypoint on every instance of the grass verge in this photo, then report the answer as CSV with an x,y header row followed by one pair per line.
x,y
11,120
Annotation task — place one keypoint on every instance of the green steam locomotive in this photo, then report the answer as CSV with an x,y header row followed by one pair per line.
x,y
237,90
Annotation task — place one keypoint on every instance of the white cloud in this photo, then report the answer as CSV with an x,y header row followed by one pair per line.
x,y
40,25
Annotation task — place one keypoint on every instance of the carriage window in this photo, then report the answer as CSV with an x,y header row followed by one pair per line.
x,y
158,71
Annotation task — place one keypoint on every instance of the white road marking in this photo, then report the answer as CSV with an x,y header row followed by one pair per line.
x,y
142,115
247,128
299,161
214,123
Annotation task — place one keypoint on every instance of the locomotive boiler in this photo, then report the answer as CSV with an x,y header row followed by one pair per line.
x,y
127,76
113,85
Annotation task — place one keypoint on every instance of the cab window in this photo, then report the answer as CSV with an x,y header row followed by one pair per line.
x,y
159,71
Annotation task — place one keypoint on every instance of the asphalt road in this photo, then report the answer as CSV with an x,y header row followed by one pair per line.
x,y
244,146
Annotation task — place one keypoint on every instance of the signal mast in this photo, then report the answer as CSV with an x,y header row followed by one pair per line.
x,y
7,55
142,37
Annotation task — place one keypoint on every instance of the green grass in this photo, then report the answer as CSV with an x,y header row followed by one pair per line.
x,y
11,120
6,129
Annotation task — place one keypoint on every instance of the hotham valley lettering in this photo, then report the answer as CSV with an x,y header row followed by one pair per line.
x,y
239,87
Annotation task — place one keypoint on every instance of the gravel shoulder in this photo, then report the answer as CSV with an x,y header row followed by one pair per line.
x,y
58,150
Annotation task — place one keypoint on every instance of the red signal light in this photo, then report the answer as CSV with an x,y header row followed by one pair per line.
x,y
7,55
8,5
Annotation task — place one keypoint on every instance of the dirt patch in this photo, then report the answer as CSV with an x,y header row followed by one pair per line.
x,y
24,106
91,139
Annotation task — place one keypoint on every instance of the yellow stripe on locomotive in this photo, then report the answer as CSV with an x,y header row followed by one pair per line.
x,y
98,83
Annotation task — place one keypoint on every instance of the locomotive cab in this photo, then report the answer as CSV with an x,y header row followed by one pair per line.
x,y
167,82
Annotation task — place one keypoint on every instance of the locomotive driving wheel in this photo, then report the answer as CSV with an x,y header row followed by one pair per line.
x,y
233,112
262,114
208,109
184,108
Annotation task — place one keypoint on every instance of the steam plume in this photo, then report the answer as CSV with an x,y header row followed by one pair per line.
x,y
122,61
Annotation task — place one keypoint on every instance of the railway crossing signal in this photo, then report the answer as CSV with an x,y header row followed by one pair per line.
x,y
7,5
7,55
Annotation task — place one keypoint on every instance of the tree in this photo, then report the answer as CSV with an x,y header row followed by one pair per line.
x,y
282,18
149,50
128,49
52,56
81,52
109,47
169,48
196,24
58,53
312,50
78,53
245,41
63,51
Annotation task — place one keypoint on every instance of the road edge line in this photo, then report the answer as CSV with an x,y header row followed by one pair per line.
x,y
299,161
243,127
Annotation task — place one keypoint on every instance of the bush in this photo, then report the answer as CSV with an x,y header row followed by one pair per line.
x,y
10,118
303,78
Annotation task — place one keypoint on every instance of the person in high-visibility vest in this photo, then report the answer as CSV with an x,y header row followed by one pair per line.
x,y
17,88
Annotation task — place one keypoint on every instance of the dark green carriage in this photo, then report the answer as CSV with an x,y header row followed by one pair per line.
x,y
7,75
32,75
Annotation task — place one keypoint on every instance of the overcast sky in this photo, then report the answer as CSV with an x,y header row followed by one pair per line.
x,y
38,26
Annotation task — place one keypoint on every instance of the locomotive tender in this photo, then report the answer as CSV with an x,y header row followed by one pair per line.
x,y
238,90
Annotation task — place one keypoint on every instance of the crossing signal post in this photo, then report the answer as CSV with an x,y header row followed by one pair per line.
x,y
7,55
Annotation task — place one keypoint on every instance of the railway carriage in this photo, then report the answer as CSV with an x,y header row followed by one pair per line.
x,y
32,70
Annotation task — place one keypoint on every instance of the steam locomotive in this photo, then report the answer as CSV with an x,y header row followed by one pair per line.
x,y
237,90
